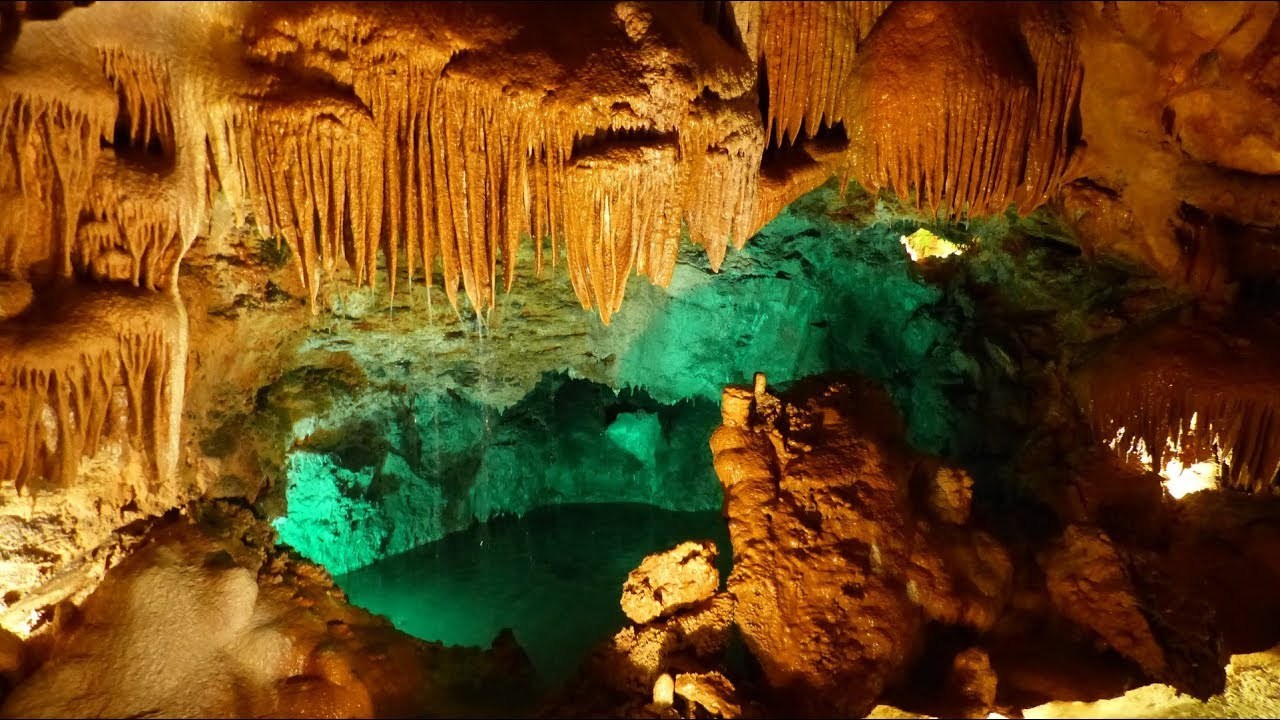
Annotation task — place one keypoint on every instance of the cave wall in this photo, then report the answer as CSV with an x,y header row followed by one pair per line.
x,y
222,185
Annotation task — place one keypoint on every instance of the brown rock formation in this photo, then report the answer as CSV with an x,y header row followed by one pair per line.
x,y
669,581
88,368
1207,392
397,143
711,691
968,106
834,579
630,673
973,682
1124,598
203,621
1173,178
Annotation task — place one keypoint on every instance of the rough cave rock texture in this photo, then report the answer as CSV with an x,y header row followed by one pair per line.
x,y
835,571
334,129
1117,596
682,645
666,582
205,620
180,185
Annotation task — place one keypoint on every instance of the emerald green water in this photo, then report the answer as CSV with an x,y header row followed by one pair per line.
x,y
554,576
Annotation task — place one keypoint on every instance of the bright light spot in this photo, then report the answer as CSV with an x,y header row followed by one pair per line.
x,y
25,627
924,244
1180,480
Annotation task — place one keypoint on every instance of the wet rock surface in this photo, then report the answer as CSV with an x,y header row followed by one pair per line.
x,y
670,581
834,579
207,620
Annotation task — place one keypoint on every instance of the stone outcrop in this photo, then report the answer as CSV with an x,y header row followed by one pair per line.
x,y
670,581
834,577
205,620
678,650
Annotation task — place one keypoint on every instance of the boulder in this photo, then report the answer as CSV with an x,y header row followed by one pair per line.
x,y
669,581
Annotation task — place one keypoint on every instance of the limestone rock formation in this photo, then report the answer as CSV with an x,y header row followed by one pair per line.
x,y
1123,599
670,581
968,106
688,640
972,680
205,621
639,671
833,577
1088,581
951,495
1199,202
1192,392
710,691
189,195
1224,545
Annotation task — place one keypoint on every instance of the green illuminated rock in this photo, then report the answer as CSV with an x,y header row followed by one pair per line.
x,y
550,407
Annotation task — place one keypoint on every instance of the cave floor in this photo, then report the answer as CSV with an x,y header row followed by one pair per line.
x,y
1252,691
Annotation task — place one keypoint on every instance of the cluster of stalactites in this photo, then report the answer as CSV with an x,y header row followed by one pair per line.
x,y
129,230
433,172
621,219
142,82
720,154
806,50
48,152
91,211
1153,411
952,111
114,373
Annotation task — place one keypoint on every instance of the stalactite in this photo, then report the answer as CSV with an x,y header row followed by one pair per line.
x,y
134,212
48,152
807,50
1059,74
1209,398
722,153
949,107
310,167
619,215
142,83
60,369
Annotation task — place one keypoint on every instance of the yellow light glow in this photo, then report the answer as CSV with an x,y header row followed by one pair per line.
x,y
1179,480
924,244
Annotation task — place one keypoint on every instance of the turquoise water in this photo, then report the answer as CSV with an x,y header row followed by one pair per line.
x,y
554,576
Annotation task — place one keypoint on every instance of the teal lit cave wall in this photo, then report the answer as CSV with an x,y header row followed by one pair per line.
x,y
810,293
622,413
387,482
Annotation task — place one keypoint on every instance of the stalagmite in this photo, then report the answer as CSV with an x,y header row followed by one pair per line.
x,y
950,108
